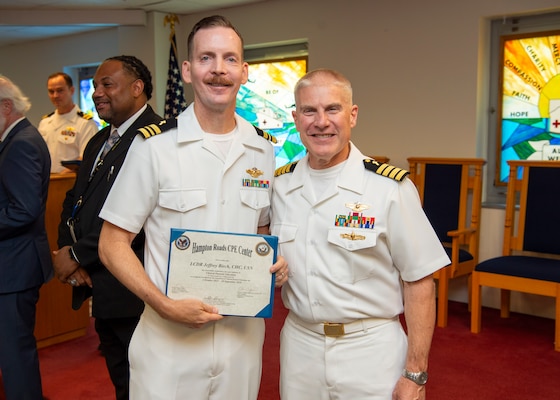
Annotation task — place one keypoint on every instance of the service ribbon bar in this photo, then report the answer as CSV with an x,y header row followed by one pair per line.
x,y
355,220
256,183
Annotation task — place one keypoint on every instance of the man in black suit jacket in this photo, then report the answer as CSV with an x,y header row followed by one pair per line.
x,y
122,87
25,260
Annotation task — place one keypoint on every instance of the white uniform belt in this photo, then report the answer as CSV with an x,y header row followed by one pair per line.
x,y
339,329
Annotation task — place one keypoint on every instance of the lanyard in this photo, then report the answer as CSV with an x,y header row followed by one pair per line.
x,y
71,221
100,162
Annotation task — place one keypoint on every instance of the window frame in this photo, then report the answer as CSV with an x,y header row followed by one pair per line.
x,y
500,28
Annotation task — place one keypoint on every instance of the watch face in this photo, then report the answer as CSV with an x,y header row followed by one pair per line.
x,y
422,378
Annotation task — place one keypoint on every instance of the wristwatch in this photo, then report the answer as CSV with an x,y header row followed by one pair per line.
x,y
420,378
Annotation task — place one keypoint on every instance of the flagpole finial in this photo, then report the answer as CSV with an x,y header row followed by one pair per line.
x,y
171,19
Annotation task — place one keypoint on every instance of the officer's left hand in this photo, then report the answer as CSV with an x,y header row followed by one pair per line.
x,y
408,390
280,267
63,264
80,277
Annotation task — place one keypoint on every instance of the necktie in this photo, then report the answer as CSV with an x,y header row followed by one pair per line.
x,y
111,140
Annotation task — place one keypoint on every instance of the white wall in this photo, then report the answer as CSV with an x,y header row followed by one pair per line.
x,y
417,69
29,64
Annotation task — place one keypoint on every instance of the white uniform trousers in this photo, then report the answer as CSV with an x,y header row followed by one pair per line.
x,y
361,365
221,361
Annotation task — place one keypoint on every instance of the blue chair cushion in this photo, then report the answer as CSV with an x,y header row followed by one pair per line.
x,y
544,269
542,217
463,254
442,197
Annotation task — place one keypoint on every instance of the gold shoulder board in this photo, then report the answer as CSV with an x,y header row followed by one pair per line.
x,y
285,169
155,129
386,170
84,115
266,135
47,115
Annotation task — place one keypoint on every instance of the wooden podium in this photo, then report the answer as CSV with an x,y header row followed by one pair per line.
x,y
56,320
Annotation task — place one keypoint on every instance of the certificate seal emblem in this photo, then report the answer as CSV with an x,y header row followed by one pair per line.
x,y
182,242
262,248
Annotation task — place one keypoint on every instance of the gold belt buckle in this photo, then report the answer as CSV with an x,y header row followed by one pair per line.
x,y
333,330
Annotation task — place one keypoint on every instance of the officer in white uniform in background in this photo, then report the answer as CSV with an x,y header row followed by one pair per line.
x,y
66,130
357,242
191,176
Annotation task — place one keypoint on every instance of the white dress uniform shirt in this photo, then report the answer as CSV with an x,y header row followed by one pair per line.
x,y
179,179
335,277
66,135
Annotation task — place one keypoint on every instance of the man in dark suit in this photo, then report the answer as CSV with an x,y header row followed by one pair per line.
x,y
123,85
25,260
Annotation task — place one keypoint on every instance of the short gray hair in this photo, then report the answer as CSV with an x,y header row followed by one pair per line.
x,y
334,78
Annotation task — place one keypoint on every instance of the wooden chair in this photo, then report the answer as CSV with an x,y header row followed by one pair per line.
x,y
531,252
450,190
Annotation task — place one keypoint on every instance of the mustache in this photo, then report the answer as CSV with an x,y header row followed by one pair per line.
x,y
219,80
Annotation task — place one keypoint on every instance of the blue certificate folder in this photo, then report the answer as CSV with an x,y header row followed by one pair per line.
x,y
227,270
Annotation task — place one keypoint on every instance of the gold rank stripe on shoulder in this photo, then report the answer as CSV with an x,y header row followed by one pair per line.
x,y
155,129
386,170
285,169
84,115
266,135
150,130
47,115
269,137
392,172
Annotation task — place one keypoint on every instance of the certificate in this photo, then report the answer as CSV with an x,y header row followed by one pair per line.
x,y
229,271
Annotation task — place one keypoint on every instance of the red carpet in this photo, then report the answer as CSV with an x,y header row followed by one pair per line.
x,y
510,359
75,370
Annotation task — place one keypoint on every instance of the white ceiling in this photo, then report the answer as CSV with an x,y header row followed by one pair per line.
x,y
26,20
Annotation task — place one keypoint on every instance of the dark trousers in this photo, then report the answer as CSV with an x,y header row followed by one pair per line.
x,y
114,336
19,360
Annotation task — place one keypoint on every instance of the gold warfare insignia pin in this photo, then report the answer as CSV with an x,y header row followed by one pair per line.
x,y
352,236
254,172
357,207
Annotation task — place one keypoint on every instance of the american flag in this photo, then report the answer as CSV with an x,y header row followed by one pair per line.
x,y
174,98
